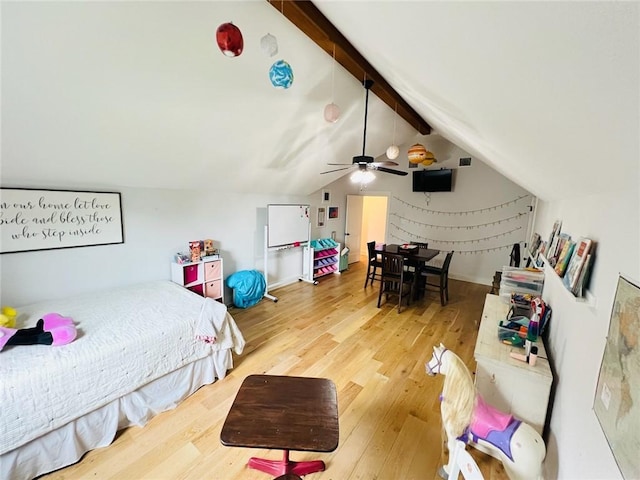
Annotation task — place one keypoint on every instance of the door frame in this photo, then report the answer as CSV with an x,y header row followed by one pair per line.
x,y
364,224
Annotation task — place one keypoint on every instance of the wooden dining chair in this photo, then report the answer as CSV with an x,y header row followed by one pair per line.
x,y
415,266
443,277
374,264
395,279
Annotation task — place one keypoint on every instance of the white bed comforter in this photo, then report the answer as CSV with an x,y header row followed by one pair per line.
x,y
126,338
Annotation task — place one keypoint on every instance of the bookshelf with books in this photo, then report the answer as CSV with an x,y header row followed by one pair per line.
x,y
570,260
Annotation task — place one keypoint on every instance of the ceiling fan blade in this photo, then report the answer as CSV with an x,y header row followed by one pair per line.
x,y
345,164
336,170
391,170
386,163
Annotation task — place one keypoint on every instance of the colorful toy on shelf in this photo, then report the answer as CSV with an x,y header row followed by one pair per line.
x,y
208,247
195,248
467,417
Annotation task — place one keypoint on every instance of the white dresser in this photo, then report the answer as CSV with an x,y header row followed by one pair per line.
x,y
506,383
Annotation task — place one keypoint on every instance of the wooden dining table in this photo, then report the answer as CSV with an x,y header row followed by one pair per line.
x,y
417,256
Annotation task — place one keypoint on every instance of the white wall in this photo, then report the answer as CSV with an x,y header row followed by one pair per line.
x,y
482,240
157,223
577,447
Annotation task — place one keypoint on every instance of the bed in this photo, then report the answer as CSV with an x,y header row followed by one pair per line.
x,y
140,350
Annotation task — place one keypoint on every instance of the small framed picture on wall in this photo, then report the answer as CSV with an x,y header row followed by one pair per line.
x,y
326,196
333,213
321,216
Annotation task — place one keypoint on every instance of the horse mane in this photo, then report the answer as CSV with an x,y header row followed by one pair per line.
x,y
458,396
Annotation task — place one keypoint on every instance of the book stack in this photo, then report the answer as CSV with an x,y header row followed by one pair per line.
x,y
578,268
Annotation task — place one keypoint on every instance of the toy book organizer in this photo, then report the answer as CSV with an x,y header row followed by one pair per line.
x,y
326,257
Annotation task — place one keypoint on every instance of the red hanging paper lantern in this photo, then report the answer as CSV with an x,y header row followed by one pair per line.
x,y
229,38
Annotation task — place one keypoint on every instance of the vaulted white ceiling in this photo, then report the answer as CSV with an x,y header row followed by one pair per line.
x,y
138,94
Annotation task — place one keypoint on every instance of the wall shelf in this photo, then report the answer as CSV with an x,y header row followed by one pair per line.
x,y
588,299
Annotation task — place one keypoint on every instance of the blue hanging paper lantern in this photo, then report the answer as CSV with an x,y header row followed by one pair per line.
x,y
281,74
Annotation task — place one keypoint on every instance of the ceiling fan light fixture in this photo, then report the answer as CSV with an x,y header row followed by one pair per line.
x,y
363,177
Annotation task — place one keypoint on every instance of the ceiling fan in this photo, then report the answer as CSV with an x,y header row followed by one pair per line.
x,y
365,162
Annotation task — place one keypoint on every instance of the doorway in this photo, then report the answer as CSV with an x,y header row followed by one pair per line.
x,y
366,221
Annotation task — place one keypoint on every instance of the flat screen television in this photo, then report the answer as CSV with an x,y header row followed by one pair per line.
x,y
432,180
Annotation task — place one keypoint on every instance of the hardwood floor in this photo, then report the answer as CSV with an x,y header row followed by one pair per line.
x,y
388,407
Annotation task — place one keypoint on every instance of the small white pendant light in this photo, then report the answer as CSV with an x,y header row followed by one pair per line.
x,y
269,45
331,110
393,151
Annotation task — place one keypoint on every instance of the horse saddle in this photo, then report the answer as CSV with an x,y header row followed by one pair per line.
x,y
493,426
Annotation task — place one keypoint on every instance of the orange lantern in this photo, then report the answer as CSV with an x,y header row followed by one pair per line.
x,y
418,154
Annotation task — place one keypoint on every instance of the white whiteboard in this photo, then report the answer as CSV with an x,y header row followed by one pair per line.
x,y
287,224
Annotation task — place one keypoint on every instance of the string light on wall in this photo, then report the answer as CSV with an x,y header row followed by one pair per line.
x,y
463,212
422,238
459,227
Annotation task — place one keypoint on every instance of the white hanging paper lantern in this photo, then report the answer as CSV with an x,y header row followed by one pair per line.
x,y
331,112
392,152
269,45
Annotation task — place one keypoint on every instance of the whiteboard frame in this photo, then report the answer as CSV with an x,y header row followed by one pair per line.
x,y
304,232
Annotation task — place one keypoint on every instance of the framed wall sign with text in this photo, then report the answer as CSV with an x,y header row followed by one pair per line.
x,y
32,219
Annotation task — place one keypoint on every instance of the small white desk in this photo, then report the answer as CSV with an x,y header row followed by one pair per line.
x,y
506,383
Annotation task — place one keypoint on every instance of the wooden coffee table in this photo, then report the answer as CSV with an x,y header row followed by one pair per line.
x,y
284,413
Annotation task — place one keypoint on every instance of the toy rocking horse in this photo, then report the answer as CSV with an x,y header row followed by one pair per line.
x,y
467,417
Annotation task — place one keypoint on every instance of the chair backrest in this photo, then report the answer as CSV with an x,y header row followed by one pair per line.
x,y
392,264
371,247
447,262
464,463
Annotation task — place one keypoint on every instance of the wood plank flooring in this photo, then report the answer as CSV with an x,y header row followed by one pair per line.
x,y
389,411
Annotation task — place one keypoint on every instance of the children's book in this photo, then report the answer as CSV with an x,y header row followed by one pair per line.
x,y
555,231
580,252
564,257
556,248
583,280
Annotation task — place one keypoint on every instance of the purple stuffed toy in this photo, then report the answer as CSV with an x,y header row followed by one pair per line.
x,y
51,329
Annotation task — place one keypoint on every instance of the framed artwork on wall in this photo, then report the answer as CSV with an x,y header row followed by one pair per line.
x,y
321,216
333,213
39,219
325,196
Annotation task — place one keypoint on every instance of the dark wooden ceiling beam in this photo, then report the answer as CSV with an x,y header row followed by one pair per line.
x,y
306,16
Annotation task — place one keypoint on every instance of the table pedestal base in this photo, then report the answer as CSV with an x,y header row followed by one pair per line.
x,y
280,467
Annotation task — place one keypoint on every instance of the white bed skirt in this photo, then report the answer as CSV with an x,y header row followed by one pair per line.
x,y
67,444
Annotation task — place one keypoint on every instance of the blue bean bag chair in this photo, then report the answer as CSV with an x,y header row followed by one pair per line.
x,y
248,287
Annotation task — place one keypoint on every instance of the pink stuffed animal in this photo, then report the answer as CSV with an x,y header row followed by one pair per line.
x,y
51,329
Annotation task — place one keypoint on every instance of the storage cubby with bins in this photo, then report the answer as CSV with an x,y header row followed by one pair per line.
x,y
203,278
325,257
